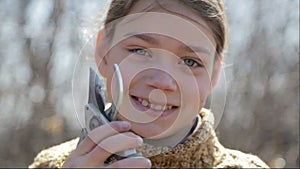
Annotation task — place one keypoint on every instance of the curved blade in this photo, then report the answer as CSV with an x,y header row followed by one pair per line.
x,y
118,94
94,110
96,92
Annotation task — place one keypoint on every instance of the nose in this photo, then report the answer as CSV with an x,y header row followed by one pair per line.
x,y
161,80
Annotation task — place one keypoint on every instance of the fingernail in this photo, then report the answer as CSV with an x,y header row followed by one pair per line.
x,y
125,125
149,163
140,141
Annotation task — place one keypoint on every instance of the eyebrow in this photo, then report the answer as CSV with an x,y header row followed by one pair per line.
x,y
143,37
195,49
151,40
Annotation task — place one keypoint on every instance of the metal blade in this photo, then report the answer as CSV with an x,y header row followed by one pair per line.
x,y
118,94
96,97
96,91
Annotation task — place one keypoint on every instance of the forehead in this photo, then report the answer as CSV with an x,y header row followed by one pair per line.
x,y
169,18
175,7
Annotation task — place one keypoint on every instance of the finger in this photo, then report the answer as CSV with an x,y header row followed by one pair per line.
x,y
134,162
111,145
120,142
100,133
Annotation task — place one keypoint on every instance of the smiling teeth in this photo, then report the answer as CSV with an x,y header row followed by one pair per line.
x,y
145,103
154,106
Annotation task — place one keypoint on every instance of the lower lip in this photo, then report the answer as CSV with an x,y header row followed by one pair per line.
x,y
150,111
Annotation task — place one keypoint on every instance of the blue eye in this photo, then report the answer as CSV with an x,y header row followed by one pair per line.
x,y
139,51
191,63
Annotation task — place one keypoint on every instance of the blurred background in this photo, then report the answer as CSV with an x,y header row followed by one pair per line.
x,y
47,46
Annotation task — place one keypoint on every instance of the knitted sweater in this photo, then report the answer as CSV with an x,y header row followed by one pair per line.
x,y
201,150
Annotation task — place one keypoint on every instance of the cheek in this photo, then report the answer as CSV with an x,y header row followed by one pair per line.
x,y
111,81
127,71
128,75
203,92
132,72
195,91
204,83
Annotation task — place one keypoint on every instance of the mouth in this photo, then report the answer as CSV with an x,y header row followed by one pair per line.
x,y
153,109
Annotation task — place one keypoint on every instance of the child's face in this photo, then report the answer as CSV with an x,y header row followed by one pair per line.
x,y
166,58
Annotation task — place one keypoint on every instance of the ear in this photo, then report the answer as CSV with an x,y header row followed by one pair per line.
x,y
100,53
215,74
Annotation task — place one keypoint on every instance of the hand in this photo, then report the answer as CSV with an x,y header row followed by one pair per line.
x,y
104,141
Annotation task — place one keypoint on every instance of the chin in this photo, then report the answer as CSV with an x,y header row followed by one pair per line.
x,y
151,130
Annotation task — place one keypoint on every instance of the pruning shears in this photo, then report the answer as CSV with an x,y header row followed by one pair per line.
x,y
95,113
